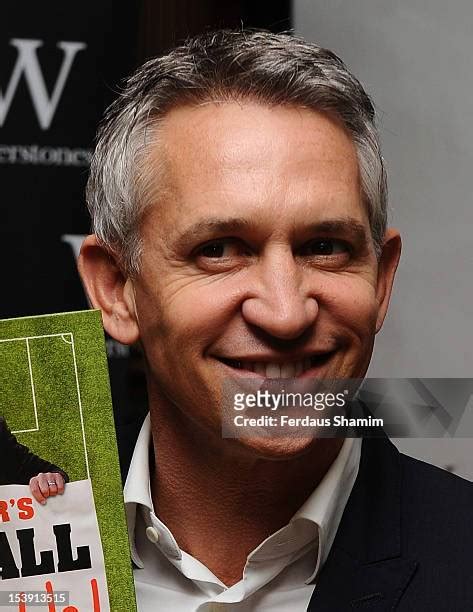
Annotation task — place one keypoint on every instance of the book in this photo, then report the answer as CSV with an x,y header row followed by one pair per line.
x,y
68,552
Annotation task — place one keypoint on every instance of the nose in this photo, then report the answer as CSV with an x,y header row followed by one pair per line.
x,y
280,303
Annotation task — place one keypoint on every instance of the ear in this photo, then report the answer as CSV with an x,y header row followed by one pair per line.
x,y
387,265
109,290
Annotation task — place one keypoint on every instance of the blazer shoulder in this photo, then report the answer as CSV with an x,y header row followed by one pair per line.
x,y
433,482
437,507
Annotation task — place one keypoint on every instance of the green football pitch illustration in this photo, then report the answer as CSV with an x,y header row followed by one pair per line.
x,y
40,398
55,397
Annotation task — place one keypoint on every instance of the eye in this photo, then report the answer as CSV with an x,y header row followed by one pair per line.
x,y
223,249
325,247
215,250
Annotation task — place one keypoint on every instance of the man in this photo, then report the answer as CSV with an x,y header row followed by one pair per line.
x,y
18,465
238,198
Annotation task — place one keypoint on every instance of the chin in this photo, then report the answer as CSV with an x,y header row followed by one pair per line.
x,y
277,448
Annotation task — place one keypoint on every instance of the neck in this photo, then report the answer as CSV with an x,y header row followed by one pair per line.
x,y
218,497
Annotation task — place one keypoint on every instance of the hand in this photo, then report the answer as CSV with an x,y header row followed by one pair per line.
x,y
47,485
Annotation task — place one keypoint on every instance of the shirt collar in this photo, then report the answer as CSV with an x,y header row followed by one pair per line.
x,y
137,489
326,504
322,510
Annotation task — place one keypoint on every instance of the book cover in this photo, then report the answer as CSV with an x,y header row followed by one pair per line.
x,y
63,537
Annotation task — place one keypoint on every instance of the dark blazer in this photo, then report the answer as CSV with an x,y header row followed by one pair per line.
x,y
405,541
17,463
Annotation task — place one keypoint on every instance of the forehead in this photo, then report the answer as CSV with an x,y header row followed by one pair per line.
x,y
258,159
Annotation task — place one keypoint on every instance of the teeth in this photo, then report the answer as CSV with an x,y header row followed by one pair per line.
x,y
288,370
273,370
260,369
277,370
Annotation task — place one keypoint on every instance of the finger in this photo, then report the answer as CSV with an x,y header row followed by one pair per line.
x,y
35,490
60,483
43,484
52,485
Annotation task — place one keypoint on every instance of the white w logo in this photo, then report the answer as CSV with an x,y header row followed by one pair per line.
x,y
27,63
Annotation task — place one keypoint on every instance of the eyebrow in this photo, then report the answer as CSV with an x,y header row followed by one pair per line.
x,y
210,227
348,226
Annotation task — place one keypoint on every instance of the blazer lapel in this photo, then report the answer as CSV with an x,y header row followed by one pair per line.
x,y
365,569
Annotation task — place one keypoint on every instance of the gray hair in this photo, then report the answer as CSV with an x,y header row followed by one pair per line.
x,y
273,69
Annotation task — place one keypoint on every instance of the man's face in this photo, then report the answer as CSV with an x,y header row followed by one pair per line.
x,y
257,255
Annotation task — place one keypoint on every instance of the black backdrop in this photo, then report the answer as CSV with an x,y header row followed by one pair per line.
x,y
44,167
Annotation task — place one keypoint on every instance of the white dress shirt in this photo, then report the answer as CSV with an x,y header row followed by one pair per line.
x,y
279,574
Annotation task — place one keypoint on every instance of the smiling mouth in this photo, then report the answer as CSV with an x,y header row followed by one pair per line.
x,y
290,369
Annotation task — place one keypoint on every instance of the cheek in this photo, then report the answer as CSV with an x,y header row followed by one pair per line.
x,y
186,313
351,303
